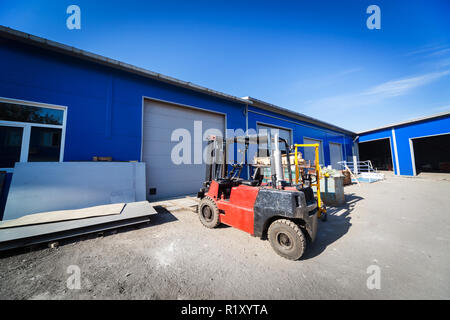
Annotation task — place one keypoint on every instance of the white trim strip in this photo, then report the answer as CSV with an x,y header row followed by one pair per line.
x,y
430,135
373,140
413,157
32,103
24,153
26,124
395,152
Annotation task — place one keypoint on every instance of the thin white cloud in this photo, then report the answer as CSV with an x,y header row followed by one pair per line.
x,y
440,52
346,72
443,63
442,108
433,56
400,87
430,49
326,80
378,93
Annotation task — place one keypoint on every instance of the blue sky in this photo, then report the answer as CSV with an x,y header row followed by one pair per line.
x,y
314,57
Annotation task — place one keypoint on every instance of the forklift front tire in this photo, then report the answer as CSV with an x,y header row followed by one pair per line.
x,y
286,239
208,213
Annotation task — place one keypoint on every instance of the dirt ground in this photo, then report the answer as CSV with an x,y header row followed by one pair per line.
x,y
400,225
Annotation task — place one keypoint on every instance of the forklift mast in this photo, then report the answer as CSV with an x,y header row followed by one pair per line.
x,y
217,165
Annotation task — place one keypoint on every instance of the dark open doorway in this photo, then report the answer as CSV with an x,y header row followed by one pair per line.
x,y
377,151
432,154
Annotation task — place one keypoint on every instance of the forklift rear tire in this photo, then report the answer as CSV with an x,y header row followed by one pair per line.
x,y
208,213
286,239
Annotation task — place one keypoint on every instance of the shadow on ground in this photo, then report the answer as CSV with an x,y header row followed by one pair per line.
x,y
163,216
336,226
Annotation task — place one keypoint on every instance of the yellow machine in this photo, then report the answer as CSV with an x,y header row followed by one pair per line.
x,y
322,209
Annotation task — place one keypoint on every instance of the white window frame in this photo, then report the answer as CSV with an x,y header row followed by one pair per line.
x,y
275,127
28,125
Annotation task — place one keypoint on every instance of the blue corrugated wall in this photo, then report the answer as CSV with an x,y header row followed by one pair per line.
x,y
403,134
104,105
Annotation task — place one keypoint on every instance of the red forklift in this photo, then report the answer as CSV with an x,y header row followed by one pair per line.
x,y
283,212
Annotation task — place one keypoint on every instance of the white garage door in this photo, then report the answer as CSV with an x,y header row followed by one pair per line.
x,y
160,121
310,153
335,155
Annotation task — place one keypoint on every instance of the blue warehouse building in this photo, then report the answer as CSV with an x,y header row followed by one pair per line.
x,y
410,147
59,103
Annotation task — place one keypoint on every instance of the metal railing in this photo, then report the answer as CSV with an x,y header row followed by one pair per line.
x,y
361,166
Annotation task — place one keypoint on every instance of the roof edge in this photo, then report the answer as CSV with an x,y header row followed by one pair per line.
x,y
75,52
300,116
433,116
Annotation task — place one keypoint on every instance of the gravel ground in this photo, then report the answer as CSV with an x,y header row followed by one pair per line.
x,y
401,225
